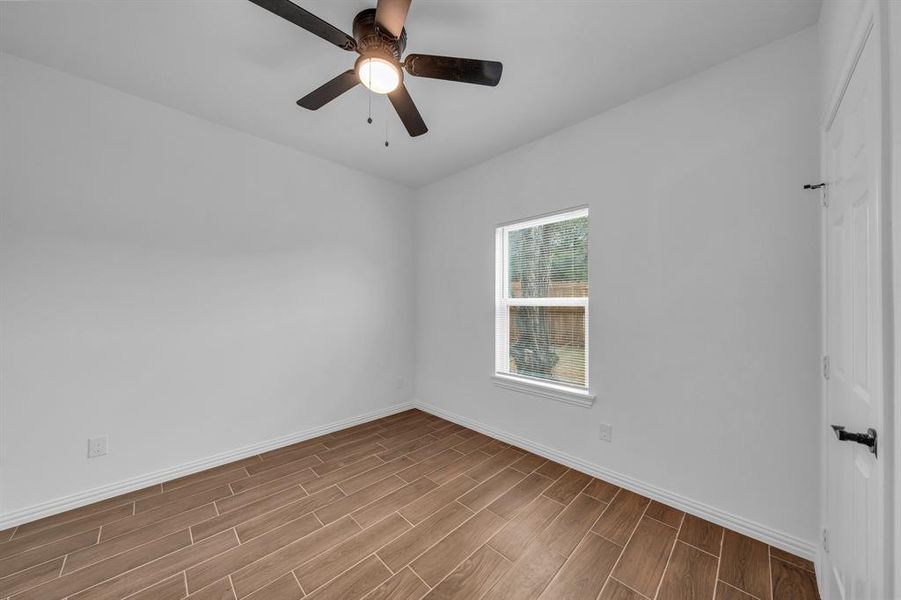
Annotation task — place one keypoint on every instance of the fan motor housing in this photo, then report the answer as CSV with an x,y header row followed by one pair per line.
x,y
372,40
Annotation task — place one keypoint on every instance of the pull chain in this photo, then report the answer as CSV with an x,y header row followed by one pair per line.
x,y
369,89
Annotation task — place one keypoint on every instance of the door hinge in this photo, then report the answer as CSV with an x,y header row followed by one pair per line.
x,y
826,540
826,367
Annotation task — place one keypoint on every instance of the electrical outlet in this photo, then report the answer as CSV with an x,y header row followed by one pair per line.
x,y
97,446
605,433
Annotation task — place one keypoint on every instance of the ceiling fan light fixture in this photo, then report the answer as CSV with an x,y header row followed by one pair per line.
x,y
381,39
378,74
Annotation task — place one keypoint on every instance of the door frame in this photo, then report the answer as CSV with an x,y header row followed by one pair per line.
x,y
891,17
870,27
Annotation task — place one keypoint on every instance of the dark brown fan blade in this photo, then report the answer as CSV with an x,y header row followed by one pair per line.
x,y
465,70
391,14
406,109
302,18
329,91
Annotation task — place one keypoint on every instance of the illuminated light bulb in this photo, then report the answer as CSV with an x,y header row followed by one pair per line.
x,y
379,75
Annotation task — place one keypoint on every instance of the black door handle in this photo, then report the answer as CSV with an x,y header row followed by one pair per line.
x,y
868,439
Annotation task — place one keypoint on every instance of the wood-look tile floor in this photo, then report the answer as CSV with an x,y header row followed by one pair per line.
x,y
406,507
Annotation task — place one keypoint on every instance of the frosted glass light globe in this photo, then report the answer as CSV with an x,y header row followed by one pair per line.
x,y
379,75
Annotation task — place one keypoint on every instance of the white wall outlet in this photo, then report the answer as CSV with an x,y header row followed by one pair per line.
x,y
605,432
97,446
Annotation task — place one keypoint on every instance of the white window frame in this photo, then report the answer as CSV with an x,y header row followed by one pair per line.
x,y
572,394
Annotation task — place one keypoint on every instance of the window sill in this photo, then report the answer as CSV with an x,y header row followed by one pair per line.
x,y
545,390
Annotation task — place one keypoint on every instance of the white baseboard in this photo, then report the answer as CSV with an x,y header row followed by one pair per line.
x,y
31,513
779,539
752,529
822,567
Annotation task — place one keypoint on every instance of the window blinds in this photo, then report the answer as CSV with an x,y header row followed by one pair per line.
x,y
542,299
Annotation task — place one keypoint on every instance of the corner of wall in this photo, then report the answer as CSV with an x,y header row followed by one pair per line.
x,y
31,513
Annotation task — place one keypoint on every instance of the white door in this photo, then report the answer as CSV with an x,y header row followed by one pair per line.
x,y
854,337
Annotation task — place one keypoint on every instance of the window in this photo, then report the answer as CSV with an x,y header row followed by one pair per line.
x,y
542,306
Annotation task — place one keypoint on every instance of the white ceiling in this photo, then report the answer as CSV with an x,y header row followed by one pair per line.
x,y
236,64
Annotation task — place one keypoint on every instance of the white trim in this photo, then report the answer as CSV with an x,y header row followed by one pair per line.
x,y
31,513
542,219
768,535
890,33
543,389
821,561
555,301
891,26
503,301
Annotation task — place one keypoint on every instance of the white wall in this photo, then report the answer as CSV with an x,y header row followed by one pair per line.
x,y
704,287
183,288
189,290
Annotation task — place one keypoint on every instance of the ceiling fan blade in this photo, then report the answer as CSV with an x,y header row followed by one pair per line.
x,y
329,91
465,70
406,109
303,18
391,14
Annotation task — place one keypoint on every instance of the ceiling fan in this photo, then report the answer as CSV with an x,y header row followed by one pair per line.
x,y
380,38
